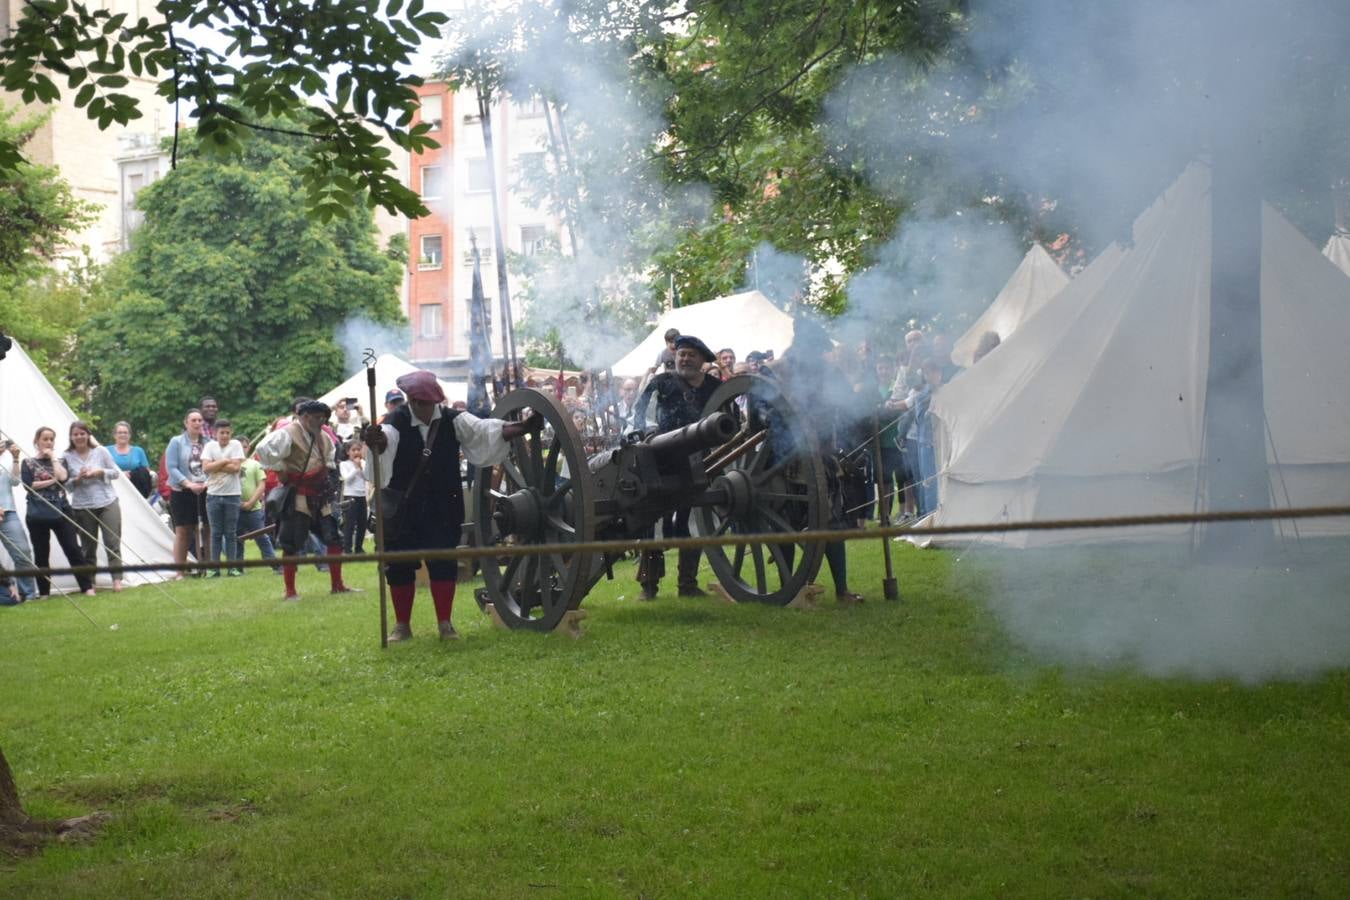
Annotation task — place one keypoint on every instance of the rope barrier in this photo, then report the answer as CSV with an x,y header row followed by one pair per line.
x,y
620,547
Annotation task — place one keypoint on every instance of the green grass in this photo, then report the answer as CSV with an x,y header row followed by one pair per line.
x,y
250,747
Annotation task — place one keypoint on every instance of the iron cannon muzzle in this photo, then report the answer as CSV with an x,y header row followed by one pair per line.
x,y
708,432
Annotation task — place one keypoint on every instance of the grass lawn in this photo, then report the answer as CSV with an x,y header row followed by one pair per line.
x,y
249,747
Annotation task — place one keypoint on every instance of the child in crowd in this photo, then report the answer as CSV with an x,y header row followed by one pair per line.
x,y
353,499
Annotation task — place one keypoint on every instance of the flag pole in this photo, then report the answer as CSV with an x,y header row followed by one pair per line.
x,y
369,360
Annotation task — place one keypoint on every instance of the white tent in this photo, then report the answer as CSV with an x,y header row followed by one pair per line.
x,y
1338,251
1096,405
1035,280
28,402
743,322
388,368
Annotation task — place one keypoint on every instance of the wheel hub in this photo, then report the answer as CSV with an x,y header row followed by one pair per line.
x,y
739,491
519,514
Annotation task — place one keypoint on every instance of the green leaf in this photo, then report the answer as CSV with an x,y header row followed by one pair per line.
x,y
85,94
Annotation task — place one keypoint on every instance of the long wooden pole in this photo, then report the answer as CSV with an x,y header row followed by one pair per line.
x,y
890,590
379,510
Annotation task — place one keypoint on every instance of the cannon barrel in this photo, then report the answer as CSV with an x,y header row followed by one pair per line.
x,y
708,432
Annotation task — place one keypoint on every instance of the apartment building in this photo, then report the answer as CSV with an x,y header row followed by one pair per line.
x,y
105,167
454,183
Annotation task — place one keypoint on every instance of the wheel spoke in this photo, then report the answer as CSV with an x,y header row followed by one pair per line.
x,y
557,496
567,532
757,550
551,464
777,521
738,562
513,473
780,559
781,496
722,529
509,573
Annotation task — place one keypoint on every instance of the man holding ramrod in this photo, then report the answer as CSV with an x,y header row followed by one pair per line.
x,y
419,445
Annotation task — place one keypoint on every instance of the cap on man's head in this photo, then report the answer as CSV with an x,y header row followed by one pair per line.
x,y
688,340
313,406
422,386
394,396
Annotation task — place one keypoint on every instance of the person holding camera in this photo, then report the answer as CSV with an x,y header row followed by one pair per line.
x,y
347,420
12,535
48,510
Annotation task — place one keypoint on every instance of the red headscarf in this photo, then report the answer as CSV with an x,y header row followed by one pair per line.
x,y
421,385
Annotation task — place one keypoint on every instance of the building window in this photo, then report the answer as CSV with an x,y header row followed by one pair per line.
x,y
532,108
483,238
429,320
433,110
533,239
479,179
136,174
530,164
433,182
433,252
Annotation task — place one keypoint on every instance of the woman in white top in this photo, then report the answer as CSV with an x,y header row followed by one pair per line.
x,y
93,498
222,458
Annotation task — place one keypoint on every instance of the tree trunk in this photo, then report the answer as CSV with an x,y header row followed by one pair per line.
x,y
22,834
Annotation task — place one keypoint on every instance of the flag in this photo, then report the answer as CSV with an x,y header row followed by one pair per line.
x,y
480,342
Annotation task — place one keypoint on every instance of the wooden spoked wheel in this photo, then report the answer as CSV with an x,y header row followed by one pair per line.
x,y
539,495
776,487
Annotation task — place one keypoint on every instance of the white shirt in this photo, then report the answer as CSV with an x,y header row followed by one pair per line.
x,y
221,483
353,479
480,439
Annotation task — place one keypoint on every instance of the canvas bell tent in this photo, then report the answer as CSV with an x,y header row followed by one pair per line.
x,y
1096,405
27,402
744,322
1035,280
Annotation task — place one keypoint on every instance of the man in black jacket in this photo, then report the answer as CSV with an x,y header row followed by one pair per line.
x,y
419,444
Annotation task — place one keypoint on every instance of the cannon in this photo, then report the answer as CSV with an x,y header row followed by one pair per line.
x,y
749,466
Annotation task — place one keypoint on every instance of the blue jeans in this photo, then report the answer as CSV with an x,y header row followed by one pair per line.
x,y
252,520
223,514
16,544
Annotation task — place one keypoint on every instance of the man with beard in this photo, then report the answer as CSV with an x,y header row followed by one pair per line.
x,y
418,445
305,457
680,397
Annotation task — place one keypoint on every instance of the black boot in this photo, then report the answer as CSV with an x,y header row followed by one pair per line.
x,y
689,574
651,566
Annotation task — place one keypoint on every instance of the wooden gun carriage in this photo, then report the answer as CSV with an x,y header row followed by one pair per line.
x,y
749,467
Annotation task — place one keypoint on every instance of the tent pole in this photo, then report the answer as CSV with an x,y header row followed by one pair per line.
x,y
890,590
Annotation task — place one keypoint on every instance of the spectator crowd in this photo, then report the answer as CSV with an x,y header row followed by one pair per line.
x,y
212,483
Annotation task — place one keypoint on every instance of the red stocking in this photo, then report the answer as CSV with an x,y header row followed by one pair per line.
x,y
402,595
443,595
334,569
288,576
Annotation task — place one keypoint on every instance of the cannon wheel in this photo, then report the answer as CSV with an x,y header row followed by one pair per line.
x,y
535,497
777,487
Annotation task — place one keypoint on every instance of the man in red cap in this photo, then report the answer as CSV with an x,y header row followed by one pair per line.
x,y
419,444
303,456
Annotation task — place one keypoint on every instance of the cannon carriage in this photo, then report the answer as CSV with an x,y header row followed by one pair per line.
x,y
748,467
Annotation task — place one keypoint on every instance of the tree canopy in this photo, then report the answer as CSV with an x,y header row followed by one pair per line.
x,y
336,65
230,289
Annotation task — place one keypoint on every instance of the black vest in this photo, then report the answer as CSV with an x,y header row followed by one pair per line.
x,y
437,497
